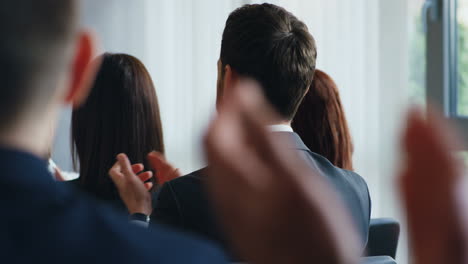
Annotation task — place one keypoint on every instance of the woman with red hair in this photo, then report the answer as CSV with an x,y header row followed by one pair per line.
x,y
320,122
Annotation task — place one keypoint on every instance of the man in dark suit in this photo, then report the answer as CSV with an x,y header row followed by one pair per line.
x,y
270,45
44,64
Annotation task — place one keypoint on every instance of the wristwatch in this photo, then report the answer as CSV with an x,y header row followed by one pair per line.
x,y
139,217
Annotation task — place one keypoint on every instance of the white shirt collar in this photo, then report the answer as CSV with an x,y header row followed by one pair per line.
x,y
280,128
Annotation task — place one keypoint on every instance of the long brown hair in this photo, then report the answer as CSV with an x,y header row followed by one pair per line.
x,y
321,123
120,115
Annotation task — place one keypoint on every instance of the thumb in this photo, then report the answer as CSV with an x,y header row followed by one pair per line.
x,y
116,174
58,175
125,165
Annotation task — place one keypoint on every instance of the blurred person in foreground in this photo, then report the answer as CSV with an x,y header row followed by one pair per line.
x,y
45,63
321,123
270,45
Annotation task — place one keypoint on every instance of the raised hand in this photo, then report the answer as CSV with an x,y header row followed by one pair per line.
x,y
164,170
132,187
272,204
139,170
429,183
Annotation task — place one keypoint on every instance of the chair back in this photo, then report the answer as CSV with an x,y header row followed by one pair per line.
x,y
383,237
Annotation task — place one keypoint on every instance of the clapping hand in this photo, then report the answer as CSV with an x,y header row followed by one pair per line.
x,y
164,170
133,188
429,183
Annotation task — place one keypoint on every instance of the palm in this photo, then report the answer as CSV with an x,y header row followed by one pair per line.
x,y
164,170
428,184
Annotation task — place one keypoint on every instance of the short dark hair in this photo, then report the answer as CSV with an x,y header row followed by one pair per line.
x,y
271,45
35,47
121,115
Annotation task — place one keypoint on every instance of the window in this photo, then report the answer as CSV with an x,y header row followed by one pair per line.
x,y
462,82
446,24
417,53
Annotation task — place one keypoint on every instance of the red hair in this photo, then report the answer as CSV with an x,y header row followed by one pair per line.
x,y
320,122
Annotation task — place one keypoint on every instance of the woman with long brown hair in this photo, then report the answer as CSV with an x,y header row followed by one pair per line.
x,y
121,115
321,122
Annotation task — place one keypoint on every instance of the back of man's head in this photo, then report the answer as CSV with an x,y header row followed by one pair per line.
x,y
36,46
271,45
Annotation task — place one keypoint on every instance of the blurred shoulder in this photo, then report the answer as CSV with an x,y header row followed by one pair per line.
x,y
72,227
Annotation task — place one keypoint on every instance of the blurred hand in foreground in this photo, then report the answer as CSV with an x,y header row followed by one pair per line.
x,y
429,183
274,207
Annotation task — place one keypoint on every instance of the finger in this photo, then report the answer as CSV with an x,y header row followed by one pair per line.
x,y
158,161
137,168
177,173
256,114
144,176
58,175
428,145
435,130
125,166
148,185
430,168
157,155
231,159
249,97
116,174
225,142
163,178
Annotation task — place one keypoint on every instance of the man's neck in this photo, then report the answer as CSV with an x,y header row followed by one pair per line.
x,y
34,135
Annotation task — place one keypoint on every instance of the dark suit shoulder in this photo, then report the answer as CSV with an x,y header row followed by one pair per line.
x,y
184,187
167,208
183,203
196,177
351,187
334,173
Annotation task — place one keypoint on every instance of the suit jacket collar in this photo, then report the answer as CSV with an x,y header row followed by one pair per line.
x,y
280,135
293,138
280,128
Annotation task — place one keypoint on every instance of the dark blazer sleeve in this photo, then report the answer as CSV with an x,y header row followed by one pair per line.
x,y
167,209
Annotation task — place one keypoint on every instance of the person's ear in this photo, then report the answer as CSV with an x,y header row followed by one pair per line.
x,y
219,84
230,79
83,70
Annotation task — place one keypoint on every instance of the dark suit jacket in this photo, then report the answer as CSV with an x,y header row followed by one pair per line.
x,y
45,222
116,204
182,202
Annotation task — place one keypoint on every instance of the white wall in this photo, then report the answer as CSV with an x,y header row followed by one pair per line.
x,y
362,44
